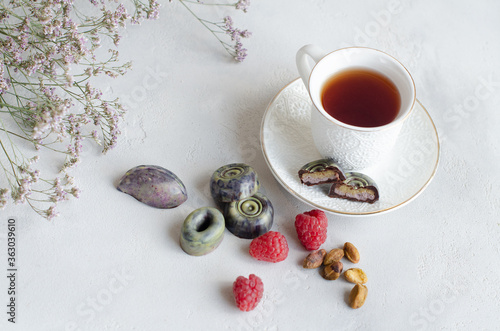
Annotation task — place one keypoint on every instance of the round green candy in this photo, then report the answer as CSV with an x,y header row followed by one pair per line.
x,y
250,217
202,231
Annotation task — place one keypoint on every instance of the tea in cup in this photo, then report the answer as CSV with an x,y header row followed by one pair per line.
x,y
360,100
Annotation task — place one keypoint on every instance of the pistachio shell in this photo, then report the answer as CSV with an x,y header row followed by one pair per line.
x,y
154,186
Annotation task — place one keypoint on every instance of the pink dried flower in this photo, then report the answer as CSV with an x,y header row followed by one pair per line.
x,y
52,52
234,47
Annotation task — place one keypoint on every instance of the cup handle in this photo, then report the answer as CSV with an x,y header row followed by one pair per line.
x,y
303,65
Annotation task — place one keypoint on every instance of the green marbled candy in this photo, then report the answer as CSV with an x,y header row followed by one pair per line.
x,y
250,217
202,231
233,182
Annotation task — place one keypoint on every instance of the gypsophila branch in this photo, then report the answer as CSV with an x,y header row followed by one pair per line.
x,y
228,36
48,62
44,45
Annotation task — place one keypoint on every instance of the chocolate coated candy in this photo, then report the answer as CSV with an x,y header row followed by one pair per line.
x,y
233,182
250,217
202,231
154,186
322,171
356,187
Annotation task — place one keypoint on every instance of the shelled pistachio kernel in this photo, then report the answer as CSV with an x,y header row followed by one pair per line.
x,y
357,297
351,252
356,276
314,260
335,254
332,271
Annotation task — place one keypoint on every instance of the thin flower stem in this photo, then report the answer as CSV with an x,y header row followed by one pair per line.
x,y
48,60
9,159
220,4
206,23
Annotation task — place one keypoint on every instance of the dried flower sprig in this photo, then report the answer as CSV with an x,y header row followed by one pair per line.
x,y
228,36
48,60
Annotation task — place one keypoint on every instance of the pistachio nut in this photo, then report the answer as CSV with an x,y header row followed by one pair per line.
x,y
314,259
332,271
356,276
335,254
357,297
351,252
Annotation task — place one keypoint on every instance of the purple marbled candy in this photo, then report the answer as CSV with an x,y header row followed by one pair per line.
x,y
232,182
154,186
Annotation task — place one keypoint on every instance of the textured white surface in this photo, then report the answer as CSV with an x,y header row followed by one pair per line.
x,y
111,263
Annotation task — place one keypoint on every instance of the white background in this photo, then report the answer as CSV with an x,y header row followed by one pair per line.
x,y
111,263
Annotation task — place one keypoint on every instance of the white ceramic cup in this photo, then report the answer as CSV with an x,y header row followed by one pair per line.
x,y
353,147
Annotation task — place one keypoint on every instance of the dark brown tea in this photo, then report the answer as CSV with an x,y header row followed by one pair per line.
x,y
361,97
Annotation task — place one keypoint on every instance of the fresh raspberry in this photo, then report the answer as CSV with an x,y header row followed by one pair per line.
x,y
270,247
248,292
311,228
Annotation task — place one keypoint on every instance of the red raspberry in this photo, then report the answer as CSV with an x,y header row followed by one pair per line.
x,y
311,228
248,292
270,247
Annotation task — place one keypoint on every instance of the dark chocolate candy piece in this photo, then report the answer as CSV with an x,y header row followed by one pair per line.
x,y
356,187
322,171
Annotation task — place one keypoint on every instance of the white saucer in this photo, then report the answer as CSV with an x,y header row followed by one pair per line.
x,y
287,145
